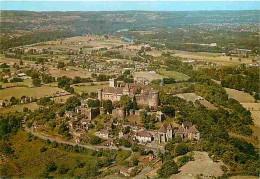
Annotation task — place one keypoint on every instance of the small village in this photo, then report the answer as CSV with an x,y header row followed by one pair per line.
x,y
129,95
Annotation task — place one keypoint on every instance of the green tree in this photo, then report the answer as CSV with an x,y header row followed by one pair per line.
x,y
72,102
108,107
167,169
36,82
180,149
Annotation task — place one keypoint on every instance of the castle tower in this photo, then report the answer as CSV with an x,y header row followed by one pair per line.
x,y
100,94
154,98
169,132
112,82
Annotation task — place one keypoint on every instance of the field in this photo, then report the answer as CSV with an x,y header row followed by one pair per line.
x,y
71,72
19,108
240,96
148,76
174,74
87,43
87,87
193,97
25,83
248,102
212,57
38,92
202,165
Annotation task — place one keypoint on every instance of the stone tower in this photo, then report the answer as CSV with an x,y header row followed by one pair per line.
x,y
100,94
112,82
154,98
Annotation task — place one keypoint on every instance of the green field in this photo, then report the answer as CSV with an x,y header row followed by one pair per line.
x,y
29,92
174,74
27,83
19,108
88,88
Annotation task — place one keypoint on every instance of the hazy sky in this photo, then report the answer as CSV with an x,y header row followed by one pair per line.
x,y
122,5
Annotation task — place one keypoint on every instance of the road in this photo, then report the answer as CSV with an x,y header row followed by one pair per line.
x,y
145,171
93,147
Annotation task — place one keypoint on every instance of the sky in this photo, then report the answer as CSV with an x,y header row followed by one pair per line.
x,y
124,5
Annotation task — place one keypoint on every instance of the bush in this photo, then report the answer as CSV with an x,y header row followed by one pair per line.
x,y
63,169
43,149
185,159
51,167
180,149
94,140
167,169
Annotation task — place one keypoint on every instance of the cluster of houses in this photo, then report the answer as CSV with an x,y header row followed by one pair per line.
x,y
163,135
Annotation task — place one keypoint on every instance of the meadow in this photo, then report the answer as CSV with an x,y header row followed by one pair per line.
x,y
213,57
174,74
37,92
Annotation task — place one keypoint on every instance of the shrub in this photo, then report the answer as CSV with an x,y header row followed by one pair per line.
x,y
167,169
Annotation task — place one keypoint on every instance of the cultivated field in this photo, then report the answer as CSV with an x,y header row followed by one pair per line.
x,y
71,72
254,108
38,92
25,83
240,96
193,97
19,108
88,88
212,57
148,76
87,43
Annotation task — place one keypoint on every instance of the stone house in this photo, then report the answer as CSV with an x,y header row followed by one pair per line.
x,y
188,130
104,133
165,133
143,136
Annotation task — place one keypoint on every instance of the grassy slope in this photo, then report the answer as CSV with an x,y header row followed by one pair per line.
x,y
31,162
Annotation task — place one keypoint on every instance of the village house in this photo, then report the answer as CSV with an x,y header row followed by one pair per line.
x,y
144,136
188,130
38,124
104,133
165,133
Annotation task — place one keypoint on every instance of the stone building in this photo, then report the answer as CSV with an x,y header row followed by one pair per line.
x,y
165,133
188,130
143,96
143,136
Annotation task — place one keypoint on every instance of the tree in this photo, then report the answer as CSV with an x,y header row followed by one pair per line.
x,y
13,100
168,110
126,103
94,140
72,102
180,149
108,107
51,167
61,65
36,82
45,101
167,169
135,105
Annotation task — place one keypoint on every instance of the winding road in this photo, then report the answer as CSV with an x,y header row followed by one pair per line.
x,y
93,147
